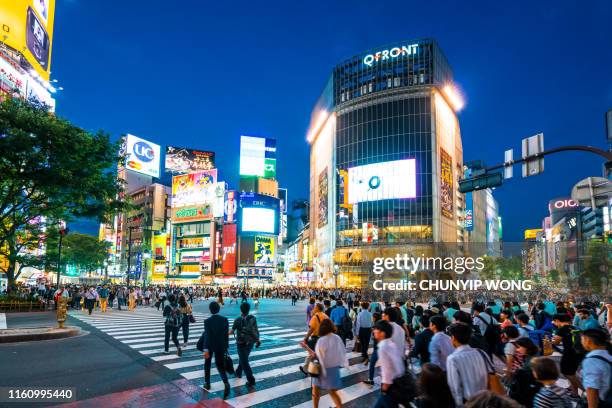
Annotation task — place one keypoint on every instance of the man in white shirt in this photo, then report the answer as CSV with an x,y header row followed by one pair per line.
x,y
467,368
391,367
391,315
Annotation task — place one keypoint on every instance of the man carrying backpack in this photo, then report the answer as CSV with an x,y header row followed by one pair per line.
x,y
488,327
572,353
339,315
597,369
247,334
173,322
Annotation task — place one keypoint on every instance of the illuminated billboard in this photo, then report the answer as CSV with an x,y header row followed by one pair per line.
x,y
259,214
228,260
382,181
446,184
180,160
193,188
258,157
230,207
142,156
263,253
27,27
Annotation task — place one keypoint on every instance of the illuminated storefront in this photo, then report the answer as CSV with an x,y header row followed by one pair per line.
x,y
386,156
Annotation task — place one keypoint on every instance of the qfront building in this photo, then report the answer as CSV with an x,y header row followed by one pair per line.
x,y
385,160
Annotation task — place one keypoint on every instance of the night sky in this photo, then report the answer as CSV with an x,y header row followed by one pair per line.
x,y
201,76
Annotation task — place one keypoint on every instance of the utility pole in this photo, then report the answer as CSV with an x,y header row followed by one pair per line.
x,y
129,259
63,231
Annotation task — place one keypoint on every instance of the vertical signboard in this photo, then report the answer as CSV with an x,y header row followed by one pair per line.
x,y
469,212
228,260
446,184
323,197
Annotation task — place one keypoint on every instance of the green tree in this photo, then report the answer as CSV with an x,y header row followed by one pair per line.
x,y
50,170
597,266
84,251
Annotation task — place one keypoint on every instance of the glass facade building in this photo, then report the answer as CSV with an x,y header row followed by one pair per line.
x,y
386,155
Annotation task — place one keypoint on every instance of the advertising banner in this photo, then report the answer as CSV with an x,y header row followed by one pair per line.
x,y
230,207
382,181
27,27
190,214
181,160
469,212
257,156
142,156
446,184
261,273
323,197
193,188
228,261
264,251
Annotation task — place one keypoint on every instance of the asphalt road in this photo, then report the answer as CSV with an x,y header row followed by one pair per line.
x,y
121,358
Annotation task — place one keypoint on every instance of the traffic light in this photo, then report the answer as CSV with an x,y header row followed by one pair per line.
x,y
480,182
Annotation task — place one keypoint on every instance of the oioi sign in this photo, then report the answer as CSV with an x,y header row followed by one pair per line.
x,y
392,53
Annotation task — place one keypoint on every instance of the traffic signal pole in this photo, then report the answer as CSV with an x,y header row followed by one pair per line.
x,y
485,177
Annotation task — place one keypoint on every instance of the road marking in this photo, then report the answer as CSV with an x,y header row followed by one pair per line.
x,y
278,391
160,336
347,394
268,329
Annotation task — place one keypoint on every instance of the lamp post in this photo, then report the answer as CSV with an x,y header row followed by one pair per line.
x,y
62,231
336,271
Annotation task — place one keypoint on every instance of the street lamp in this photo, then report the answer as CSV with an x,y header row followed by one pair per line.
x,y
62,231
336,271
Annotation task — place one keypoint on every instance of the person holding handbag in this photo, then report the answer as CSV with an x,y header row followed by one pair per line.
x,y
187,313
331,354
215,343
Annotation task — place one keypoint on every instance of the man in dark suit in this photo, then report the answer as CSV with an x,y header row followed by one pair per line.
x,y
216,343
421,342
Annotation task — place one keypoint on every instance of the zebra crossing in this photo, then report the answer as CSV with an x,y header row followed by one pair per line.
x,y
275,364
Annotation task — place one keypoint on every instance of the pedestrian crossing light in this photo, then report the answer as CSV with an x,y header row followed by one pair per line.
x,y
487,180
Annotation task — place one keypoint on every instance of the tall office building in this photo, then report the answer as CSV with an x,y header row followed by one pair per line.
x,y
385,159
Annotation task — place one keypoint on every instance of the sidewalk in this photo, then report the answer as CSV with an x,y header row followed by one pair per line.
x,y
29,319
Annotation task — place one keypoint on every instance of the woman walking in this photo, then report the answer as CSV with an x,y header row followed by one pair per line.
x,y
331,353
186,311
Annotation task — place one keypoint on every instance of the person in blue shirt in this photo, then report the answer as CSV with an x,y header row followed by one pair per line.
x,y
596,366
586,320
337,315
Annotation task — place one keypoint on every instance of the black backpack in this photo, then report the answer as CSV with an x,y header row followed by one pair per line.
x,y
523,386
245,331
492,333
346,324
175,317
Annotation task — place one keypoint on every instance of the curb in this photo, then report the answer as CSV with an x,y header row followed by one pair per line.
x,y
45,333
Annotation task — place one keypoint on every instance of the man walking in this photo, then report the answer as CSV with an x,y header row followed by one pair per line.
x,y
216,343
247,334
174,320
90,299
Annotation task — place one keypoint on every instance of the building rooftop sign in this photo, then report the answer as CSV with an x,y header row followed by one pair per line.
x,y
395,52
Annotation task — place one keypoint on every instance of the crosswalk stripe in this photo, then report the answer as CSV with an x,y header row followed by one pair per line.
x,y
347,394
277,372
152,333
255,353
278,391
190,375
154,336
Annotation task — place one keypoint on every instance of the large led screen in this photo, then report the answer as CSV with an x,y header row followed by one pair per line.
x,y
258,156
382,181
181,160
256,219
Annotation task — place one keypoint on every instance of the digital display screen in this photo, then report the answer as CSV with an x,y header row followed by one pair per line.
x,y
382,181
257,219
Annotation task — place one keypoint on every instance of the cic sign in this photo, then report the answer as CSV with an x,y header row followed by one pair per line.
x,y
392,53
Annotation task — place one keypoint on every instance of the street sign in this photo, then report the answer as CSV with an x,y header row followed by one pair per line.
x,y
531,146
481,182
508,157
592,192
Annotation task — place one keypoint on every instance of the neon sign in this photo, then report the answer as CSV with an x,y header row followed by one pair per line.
x,y
392,53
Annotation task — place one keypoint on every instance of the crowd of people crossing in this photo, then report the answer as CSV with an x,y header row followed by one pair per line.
x,y
477,350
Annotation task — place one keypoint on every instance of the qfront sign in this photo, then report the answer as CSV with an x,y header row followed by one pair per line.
x,y
393,53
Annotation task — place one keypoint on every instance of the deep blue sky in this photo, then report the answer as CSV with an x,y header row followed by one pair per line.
x,y
200,76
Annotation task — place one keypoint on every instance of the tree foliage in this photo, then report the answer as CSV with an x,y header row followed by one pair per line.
x,y
50,170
